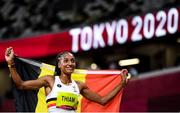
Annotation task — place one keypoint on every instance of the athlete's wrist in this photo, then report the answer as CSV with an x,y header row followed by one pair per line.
x,y
11,65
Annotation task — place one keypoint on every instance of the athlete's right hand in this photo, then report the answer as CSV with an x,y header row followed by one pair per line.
x,y
9,55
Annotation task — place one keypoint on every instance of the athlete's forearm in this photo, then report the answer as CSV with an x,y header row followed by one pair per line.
x,y
15,76
113,93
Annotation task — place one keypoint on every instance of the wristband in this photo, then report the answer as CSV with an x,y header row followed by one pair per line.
x,y
11,65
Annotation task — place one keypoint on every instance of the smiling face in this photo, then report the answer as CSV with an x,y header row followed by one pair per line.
x,y
67,63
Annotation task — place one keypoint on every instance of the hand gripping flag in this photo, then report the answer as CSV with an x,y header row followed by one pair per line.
x,y
100,81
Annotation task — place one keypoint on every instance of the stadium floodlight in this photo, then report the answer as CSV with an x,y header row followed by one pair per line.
x,y
93,66
128,62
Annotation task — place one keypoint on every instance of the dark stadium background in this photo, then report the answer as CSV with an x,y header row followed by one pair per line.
x,y
155,80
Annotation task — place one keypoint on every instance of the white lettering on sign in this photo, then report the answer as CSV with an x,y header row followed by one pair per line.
x,y
149,26
122,31
161,18
98,36
134,29
137,22
75,33
86,38
172,23
110,29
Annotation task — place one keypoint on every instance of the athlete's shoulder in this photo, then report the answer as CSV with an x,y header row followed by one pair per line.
x,y
81,85
47,78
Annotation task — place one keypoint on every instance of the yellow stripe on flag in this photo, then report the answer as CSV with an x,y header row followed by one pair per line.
x,y
79,75
46,69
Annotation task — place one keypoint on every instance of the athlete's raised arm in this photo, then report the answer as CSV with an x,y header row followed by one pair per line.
x,y
30,84
90,95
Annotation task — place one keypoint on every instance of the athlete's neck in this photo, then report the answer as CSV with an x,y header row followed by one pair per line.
x,y
65,79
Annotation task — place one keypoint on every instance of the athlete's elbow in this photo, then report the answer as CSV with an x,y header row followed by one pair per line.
x,y
20,86
103,102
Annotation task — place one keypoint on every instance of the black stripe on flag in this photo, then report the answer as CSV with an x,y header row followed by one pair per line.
x,y
26,100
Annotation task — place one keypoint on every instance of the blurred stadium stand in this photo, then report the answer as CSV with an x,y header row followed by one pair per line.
x,y
23,18
153,92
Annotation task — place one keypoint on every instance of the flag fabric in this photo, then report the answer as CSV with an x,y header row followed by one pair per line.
x,y
25,100
100,81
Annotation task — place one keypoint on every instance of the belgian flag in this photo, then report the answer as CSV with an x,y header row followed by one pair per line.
x,y
100,81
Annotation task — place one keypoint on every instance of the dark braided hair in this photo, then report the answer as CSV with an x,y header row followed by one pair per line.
x,y
57,69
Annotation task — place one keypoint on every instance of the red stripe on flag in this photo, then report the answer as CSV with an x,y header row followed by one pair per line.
x,y
103,84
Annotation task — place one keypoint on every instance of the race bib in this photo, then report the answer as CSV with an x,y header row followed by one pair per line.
x,y
67,100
